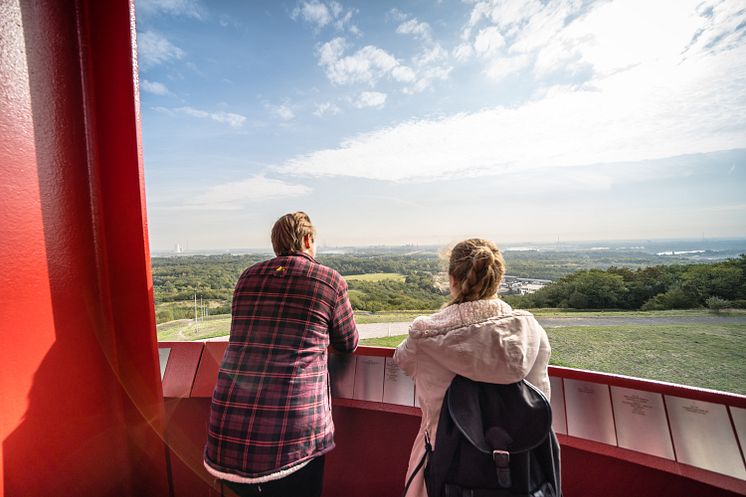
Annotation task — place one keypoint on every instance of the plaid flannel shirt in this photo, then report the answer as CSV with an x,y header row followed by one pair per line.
x,y
271,408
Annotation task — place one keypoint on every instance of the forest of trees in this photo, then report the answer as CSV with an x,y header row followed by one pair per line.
x,y
652,288
677,286
178,280
418,291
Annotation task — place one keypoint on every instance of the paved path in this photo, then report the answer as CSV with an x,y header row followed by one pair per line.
x,y
378,330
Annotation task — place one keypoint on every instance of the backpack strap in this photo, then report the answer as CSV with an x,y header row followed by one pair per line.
x,y
428,451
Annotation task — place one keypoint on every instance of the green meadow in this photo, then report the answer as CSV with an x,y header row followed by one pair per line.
x,y
700,355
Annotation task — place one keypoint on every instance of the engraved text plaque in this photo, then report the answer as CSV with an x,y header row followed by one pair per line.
x,y
369,378
398,388
641,423
589,412
703,436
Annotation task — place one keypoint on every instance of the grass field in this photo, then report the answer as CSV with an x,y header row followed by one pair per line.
x,y
375,277
185,329
676,313
702,355
220,325
711,356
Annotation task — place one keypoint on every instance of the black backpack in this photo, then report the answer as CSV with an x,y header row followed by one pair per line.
x,y
492,441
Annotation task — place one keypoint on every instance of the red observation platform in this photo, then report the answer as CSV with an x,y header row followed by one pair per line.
x,y
90,403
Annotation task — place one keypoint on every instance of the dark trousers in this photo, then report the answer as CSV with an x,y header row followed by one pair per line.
x,y
306,482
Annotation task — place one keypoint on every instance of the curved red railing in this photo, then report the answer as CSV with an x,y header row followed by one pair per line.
x,y
374,437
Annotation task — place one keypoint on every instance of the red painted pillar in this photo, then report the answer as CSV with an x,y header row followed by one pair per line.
x,y
80,395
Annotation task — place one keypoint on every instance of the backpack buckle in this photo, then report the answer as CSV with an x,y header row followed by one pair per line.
x,y
501,458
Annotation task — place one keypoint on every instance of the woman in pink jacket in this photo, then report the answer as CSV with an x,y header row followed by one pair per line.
x,y
476,335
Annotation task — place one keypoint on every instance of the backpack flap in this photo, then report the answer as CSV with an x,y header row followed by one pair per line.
x,y
491,437
514,418
499,420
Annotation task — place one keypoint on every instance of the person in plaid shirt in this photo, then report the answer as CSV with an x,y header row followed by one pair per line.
x,y
270,417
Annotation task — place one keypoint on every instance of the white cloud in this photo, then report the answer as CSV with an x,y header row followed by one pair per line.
x,y
397,15
488,41
660,108
283,112
234,195
336,8
367,65
154,49
427,77
370,99
566,37
434,53
415,28
346,20
403,74
331,51
463,52
313,12
229,118
320,15
188,8
154,87
501,67
326,109
536,25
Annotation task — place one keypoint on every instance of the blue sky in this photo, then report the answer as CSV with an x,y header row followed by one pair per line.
x,y
429,121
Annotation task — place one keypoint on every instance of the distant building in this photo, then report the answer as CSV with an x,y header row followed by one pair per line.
x,y
513,285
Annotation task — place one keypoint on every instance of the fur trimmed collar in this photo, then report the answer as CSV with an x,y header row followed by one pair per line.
x,y
459,315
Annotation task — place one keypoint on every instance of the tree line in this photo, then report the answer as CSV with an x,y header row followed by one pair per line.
x,y
680,286
215,276
722,284
417,291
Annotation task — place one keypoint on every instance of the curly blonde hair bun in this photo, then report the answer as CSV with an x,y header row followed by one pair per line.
x,y
477,266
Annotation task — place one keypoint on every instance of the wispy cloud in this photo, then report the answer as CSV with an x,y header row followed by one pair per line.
x,y
154,87
504,66
231,119
659,108
367,65
370,99
282,111
488,41
235,195
397,15
313,12
320,15
415,28
558,37
187,8
431,63
326,109
154,49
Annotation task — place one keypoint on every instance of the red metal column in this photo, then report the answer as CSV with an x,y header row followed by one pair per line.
x,y
80,395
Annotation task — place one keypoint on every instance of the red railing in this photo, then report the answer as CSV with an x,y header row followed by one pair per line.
x,y
374,437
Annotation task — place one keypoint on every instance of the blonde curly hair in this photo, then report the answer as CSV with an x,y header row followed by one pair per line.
x,y
477,268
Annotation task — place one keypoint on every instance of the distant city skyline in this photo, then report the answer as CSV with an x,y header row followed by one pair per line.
x,y
427,122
